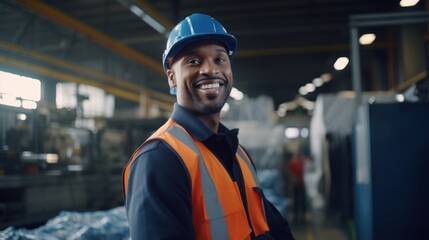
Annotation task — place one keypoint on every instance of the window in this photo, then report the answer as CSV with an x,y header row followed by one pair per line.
x,y
19,91
94,101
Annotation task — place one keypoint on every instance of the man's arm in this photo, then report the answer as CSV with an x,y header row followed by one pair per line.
x,y
158,201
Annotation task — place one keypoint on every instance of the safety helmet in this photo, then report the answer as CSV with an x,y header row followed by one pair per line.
x,y
194,28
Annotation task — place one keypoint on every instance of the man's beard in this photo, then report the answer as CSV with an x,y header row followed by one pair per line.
x,y
203,109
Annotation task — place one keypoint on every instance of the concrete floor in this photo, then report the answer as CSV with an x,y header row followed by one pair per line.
x,y
318,226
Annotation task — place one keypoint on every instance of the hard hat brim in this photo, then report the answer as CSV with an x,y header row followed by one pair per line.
x,y
227,40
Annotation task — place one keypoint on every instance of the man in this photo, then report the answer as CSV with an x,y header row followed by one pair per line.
x,y
191,179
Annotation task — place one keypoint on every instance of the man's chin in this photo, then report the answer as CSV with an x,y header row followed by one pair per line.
x,y
211,108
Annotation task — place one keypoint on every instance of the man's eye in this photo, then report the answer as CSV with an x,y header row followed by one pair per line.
x,y
194,61
219,60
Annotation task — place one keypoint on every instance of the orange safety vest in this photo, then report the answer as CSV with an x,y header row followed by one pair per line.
x,y
217,208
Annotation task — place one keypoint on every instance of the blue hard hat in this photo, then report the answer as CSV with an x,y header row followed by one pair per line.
x,y
194,28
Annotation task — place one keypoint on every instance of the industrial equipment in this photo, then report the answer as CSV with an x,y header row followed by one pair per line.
x,y
48,165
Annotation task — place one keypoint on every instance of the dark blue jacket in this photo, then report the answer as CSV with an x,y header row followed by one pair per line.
x,y
158,201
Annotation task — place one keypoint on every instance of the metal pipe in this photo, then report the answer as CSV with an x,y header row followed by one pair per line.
x,y
355,64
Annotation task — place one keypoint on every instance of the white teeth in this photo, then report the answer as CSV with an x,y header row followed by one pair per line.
x,y
211,85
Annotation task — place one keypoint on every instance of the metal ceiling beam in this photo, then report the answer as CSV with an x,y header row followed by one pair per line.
x,y
55,15
408,83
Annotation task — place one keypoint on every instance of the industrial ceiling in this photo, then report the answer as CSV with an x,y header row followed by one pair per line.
x,y
283,45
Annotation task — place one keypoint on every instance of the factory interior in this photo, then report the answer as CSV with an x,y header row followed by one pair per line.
x,y
341,84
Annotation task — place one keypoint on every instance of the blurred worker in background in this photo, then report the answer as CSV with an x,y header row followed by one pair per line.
x,y
295,168
191,179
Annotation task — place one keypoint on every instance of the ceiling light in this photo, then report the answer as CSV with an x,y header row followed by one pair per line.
x,y
408,3
136,10
302,91
310,87
154,24
317,82
326,77
341,63
367,39
146,18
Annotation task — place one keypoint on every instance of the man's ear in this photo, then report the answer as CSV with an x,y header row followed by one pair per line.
x,y
171,78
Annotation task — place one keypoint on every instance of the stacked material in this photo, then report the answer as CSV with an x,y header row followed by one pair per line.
x,y
109,224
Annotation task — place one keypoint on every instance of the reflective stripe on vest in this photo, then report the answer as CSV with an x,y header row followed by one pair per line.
x,y
249,164
218,229
241,153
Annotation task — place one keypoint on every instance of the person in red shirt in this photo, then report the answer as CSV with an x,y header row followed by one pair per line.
x,y
295,168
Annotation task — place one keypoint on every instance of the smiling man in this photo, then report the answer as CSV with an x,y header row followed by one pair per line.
x,y
192,179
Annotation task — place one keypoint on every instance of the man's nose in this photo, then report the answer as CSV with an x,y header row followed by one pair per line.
x,y
209,68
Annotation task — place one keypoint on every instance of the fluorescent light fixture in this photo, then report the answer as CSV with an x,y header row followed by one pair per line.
x,y
408,3
136,10
317,82
292,132
153,23
310,87
302,91
148,19
326,77
236,94
341,63
367,39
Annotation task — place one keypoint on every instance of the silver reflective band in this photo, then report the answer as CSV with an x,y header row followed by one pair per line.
x,y
255,176
218,228
249,165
